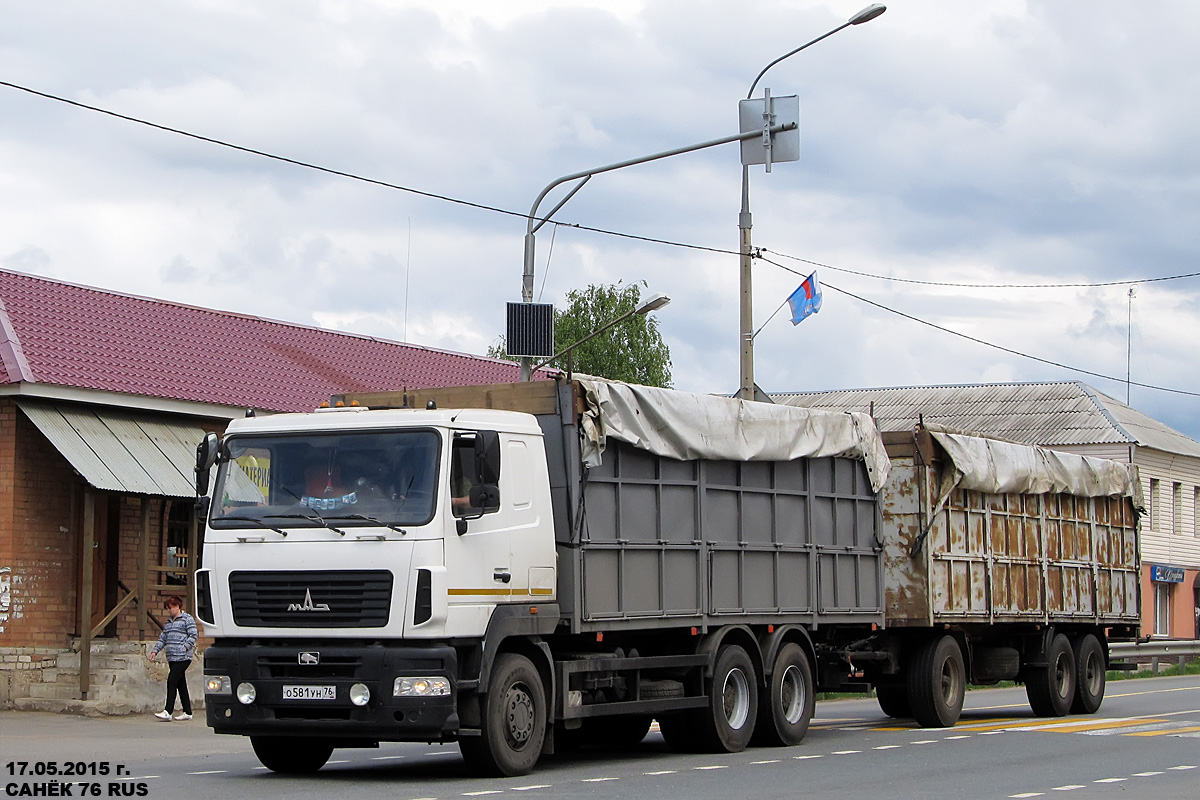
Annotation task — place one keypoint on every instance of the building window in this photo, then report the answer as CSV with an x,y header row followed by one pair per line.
x,y
1177,508
1162,609
1152,507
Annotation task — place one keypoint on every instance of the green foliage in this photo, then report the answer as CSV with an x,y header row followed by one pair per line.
x,y
499,349
632,351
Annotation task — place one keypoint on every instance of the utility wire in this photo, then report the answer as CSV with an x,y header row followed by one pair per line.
x,y
649,239
827,285
353,176
983,285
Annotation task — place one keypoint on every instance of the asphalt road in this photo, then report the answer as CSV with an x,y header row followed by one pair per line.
x,y
1144,742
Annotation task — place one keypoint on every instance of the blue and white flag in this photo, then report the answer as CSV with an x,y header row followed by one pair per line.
x,y
806,300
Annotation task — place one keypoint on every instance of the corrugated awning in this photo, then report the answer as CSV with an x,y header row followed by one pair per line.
x,y
121,452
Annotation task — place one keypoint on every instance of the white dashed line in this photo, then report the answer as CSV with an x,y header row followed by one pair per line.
x,y
340,761
527,788
1068,788
1146,774
926,741
385,758
887,747
713,766
209,772
772,761
1028,794
845,752
438,753
991,733
661,772
801,758
1111,780
481,793
599,780
952,738
1184,766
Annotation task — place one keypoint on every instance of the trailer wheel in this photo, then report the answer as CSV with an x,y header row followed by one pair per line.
x,y
728,722
790,699
1089,674
937,683
291,755
893,699
514,721
1051,687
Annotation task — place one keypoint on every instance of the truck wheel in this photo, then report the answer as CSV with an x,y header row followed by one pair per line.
x,y
937,683
728,722
514,721
291,755
893,699
1051,687
1089,674
790,699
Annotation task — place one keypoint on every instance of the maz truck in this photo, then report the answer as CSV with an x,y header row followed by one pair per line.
x,y
528,567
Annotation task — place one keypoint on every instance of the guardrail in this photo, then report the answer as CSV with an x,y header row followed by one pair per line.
x,y
1155,651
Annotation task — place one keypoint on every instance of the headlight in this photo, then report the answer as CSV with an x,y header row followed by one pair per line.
x,y
359,694
421,687
246,693
218,684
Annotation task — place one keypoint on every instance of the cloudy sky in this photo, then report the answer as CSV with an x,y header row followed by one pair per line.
x,y
985,142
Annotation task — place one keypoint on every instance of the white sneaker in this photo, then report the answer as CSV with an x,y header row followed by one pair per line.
x,y
164,715
182,716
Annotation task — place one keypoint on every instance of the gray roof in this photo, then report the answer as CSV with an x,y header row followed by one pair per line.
x,y
1050,414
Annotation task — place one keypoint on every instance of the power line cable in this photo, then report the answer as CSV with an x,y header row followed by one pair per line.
x,y
984,285
827,285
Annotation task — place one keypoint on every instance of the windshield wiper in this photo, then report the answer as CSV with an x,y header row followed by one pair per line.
x,y
256,521
378,522
313,517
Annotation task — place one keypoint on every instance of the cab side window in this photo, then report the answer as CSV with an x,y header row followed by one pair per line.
x,y
473,489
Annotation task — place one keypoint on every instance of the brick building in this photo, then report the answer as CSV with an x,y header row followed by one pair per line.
x,y
103,399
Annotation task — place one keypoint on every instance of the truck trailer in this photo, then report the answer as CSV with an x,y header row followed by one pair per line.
x,y
525,568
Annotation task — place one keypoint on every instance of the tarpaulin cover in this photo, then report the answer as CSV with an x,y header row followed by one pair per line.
x,y
989,465
687,426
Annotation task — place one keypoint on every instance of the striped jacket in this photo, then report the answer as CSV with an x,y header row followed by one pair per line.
x,y
178,638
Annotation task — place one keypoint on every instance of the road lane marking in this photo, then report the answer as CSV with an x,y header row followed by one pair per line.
x,y
926,741
1070,787
801,758
887,747
1157,691
772,761
661,772
952,738
482,792
599,780
527,788
1111,780
1076,727
385,758
845,752
1165,731
1028,794
209,772
1184,766
713,766
1146,774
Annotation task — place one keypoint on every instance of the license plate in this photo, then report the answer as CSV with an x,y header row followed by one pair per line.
x,y
309,693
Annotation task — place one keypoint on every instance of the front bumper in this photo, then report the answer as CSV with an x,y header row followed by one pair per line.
x,y
384,717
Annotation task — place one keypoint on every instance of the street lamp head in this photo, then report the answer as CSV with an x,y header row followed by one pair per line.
x,y
653,303
867,14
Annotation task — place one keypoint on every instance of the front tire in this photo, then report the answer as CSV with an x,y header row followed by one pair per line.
x,y
786,706
1051,687
937,683
290,755
514,721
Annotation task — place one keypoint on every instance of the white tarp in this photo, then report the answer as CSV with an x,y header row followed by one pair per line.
x,y
988,465
687,426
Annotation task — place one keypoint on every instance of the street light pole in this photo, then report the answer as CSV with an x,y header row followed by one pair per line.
x,y
651,303
746,251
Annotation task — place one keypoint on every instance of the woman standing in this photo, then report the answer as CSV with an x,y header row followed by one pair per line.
x,y
178,638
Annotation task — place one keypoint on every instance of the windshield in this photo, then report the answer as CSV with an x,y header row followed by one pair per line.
x,y
360,478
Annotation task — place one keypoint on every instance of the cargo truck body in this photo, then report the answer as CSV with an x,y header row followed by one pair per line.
x,y
530,567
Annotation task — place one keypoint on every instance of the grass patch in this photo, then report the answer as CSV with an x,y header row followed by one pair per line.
x,y
1165,670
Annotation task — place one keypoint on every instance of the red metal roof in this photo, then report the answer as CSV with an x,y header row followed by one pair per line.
x,y
60,333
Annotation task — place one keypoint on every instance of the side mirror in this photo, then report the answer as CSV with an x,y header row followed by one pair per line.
x,y
206,456
487,457
485,496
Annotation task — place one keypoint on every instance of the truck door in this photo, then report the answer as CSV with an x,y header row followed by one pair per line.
x,y
478,542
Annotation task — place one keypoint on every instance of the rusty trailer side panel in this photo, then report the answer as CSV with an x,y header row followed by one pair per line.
x,y
987,558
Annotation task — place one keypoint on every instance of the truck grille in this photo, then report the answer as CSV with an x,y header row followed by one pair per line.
x,y
311,599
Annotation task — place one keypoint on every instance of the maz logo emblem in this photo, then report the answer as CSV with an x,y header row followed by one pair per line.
x,y
309,659
308,604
